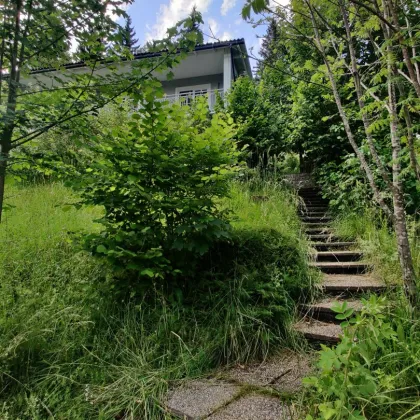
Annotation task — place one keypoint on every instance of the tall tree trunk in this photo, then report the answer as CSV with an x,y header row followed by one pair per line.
x,y
406,55
9,119
363,163
3,164
400,222
361,102
410,143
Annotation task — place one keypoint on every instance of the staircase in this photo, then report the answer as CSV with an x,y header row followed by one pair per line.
x,y
345,275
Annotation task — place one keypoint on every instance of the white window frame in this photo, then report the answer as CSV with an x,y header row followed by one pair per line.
x,y
206,86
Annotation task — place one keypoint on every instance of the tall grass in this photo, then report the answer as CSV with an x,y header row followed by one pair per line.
x,y
390,362
377,240
70,349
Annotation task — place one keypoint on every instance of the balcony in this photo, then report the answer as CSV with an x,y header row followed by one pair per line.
x,y
187,97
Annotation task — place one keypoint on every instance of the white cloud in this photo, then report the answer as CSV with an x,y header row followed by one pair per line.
x,y
226,6
226,36
171,13
213,27
110,11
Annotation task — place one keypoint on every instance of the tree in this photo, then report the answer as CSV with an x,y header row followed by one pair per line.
x,y
128,33
361,45
269,44
39,34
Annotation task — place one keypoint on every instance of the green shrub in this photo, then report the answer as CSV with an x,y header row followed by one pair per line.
x,y
345,185
374,372
65,151
159,178
261,122
70,349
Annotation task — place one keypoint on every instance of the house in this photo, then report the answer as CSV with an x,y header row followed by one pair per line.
x,y
208,70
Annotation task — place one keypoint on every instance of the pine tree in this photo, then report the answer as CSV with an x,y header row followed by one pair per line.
x,y
269,45
128,35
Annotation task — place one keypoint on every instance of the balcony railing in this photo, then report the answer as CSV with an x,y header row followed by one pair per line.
x,y
188,99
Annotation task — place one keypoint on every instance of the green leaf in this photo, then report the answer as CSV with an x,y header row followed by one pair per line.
x,y
101,249
147,272
327,410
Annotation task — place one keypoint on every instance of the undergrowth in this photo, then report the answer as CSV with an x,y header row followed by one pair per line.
x,y
376,239
374,373
71,348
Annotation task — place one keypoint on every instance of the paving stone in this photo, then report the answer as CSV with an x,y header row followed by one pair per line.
x,y
254,407
198,399
319,331
328,302
353,283
283,372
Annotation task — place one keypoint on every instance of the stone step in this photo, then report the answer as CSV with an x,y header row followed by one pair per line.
x,y
325,256
325,246
315,202
323,207
311,209
337,267
314,199
344,284
308,219
318,230
322,310
324,238
313,213
315,224
309,192
319,331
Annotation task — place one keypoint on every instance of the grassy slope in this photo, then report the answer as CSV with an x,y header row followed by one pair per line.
x,y
394,365
69,349
379,244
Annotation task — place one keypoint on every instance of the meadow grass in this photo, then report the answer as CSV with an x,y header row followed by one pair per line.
x,y
377,240
390,362
70,348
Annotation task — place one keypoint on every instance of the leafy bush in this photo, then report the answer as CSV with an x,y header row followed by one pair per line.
x,y
159,178
70,349
261,122
61,153
344,185
373,372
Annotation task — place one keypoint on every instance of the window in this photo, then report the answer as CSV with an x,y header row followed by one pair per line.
x,y
187,94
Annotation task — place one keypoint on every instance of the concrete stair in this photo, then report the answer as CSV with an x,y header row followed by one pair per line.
x,y
323,237
318,219
318,331
322,309
345,274
342,267
338,255
345,284
325,246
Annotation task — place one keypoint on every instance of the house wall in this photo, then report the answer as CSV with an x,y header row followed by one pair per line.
x,y
215,80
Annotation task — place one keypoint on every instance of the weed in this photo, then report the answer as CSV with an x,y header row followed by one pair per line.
x,y
70,348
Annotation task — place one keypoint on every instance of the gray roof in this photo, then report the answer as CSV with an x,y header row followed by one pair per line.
x,y
240,42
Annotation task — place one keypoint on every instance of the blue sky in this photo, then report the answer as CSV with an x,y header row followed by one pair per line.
x,y
152,18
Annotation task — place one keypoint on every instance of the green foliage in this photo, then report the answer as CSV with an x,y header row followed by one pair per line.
x,y
261,124
344,185
159,179
347,189
373,372
378,242
64,152
69,349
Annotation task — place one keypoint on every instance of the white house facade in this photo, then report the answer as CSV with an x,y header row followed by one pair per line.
x,y
208,70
